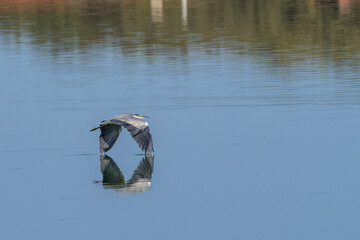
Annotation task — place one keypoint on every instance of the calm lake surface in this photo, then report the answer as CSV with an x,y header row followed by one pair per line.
x,y
254,106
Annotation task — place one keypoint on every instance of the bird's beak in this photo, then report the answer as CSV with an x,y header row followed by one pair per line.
x,y
144,117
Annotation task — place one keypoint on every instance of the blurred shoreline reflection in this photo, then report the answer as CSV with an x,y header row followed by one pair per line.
x,y
301,29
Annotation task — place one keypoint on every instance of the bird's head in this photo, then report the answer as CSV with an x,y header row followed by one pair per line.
x,y
139,116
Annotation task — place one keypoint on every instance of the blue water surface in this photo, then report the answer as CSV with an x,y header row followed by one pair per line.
x,y
250,142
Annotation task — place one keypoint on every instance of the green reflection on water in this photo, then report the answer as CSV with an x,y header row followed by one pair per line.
x,y
300,28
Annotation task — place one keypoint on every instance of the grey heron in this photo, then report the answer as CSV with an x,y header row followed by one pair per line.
x,y
111,129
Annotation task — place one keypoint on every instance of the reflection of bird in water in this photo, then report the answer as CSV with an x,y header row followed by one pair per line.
x,y
111,129
114,179
111,172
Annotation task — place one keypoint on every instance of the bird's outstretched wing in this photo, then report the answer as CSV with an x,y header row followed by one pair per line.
x,y
139,130
109,135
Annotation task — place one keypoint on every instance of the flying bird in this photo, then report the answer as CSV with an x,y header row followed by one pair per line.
x,y
111,129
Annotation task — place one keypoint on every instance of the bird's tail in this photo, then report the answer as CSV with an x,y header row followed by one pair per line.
x,y
94,129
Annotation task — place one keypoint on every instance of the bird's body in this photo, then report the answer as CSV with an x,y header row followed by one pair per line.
x,y
111,129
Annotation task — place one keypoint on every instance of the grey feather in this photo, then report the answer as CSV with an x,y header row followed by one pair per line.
x,y
139,130
109,135
142,136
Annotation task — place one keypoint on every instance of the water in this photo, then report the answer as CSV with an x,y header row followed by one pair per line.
x,y
254,110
